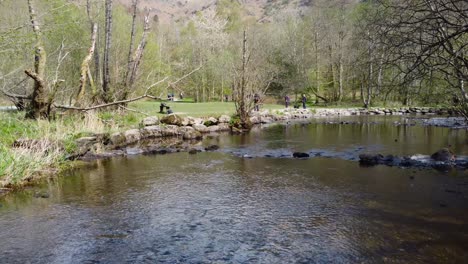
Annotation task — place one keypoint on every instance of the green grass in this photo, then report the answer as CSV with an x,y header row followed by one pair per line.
x,y
18,165
194,109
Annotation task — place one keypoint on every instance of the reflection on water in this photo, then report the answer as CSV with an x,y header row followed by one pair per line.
x,y
219,208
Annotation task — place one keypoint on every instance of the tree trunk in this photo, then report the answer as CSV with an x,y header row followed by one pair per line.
x,y
317,72
97,69
132,43
243,111
39,106
85,66
138,55
380,74
240,86
340,79
108,40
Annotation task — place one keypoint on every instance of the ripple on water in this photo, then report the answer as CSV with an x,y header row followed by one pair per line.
x,y
221,208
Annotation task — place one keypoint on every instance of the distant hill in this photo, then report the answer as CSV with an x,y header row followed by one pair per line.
x,y
169,11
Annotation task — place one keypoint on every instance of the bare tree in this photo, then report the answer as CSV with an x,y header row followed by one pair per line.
x,y
254,76
428,36
38,107
85,72
107,48
137,57
132,43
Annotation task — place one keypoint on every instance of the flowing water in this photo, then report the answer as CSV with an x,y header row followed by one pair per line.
x,y
249,203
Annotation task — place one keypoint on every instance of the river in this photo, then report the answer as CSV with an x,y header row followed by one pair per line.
x,y
249,203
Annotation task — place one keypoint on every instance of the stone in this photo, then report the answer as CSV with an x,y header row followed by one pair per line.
x,y
224,119
266,120
152,131
170,131
408,162
185,121
213,128
193,151
172,119
132,136
201,128
184,129
133,151
117,139
371,159
212,148
224,127
150,121
300,155
192,134
44,195
85,140
255,119
444,155
211,121
194,121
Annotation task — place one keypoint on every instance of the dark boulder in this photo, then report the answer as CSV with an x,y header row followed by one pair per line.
x,y
300,155
371,159
41,195
212,148
409,162
444,155
193,151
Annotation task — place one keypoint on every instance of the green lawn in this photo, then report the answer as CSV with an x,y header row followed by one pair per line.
x,y
194,109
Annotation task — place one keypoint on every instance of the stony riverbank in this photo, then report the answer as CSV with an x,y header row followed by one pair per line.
x,y
175,133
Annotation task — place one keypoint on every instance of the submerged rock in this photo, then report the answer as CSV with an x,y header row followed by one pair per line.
x,y
371,159
300,155
201,128
192,134
212,148
193,151
444,155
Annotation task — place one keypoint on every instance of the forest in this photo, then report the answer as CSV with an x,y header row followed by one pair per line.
x,y
80,55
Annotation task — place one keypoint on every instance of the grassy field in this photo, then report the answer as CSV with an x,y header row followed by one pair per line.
x,y
193,109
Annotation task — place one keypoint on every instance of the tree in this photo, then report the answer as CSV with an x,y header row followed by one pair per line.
x,y
428,38
107,49
39,106
252,77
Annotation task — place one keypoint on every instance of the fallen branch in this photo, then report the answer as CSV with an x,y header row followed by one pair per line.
x,y
145,95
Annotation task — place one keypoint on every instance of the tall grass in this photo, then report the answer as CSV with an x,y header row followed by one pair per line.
x,y
55,140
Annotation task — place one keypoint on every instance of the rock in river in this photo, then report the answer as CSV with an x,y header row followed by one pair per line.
x,y
444,155
300,155
212,148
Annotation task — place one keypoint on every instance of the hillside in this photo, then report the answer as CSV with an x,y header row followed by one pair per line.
x,y
177,10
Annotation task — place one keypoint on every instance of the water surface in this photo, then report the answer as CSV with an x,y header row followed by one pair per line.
x,y
218,207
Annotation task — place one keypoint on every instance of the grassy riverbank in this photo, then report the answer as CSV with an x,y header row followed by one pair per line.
x,y
56,139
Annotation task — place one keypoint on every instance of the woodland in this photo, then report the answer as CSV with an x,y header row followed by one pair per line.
x,y
88,54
